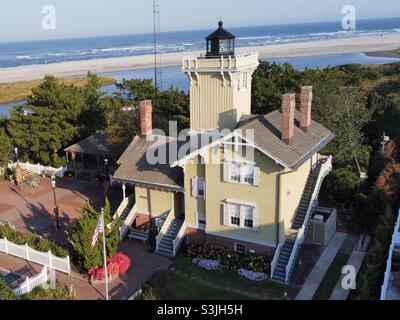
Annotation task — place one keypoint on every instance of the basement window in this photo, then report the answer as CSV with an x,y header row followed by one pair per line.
x,y
240,248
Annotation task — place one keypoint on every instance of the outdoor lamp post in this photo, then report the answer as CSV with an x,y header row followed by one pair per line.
x,y
16,154
56,210
106,183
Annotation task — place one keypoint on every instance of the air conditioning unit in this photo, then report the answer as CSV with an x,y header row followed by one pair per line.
x,y
318,218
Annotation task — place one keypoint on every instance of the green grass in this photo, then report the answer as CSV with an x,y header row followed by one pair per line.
x,y
269,289
331,278
10,92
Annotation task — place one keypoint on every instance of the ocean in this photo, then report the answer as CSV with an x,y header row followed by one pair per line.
x,y
43,52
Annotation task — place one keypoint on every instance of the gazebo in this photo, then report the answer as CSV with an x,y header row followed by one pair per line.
x,y
93,157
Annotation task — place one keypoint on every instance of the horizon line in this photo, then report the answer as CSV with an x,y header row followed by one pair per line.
x,y
184,30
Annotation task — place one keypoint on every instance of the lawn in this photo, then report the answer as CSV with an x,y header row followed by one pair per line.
x,y
331,278
16,91
187,281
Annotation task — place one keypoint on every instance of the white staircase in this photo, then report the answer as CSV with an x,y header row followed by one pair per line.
x,y
127,213
286,254
171,236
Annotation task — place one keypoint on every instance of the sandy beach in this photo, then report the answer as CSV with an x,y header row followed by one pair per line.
x,y
79,68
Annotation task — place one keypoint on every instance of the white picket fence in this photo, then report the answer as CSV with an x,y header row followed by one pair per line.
x,y
31,283
43,258
39,169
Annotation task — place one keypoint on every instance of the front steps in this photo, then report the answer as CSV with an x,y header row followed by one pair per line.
x,y
138,235
166,245
284,256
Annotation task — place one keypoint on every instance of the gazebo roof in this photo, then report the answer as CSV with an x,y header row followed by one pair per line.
x,y
97,144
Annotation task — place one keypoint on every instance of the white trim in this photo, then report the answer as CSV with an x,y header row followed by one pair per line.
x,y
241,202
220,141
231,236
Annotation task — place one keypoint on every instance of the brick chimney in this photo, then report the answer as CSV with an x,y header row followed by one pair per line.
x,y
288,107
305,107
146,124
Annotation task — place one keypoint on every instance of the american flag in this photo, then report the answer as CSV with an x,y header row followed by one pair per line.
x,y
99,230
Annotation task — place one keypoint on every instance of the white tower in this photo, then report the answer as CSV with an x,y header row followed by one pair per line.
x,y
220,83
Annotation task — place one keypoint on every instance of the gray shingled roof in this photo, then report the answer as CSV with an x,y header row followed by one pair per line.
x,y
97,144
267,136
135,168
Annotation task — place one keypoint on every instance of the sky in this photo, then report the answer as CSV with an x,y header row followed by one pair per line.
x,y
22,19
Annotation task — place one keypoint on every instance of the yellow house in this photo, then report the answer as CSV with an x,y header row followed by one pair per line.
x,y
249,183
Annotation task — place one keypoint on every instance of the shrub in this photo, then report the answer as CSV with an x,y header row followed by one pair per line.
x,y
80,238
5,292
157,288
343,183
117,265
210,265
61,292
230,260
39,244
253,276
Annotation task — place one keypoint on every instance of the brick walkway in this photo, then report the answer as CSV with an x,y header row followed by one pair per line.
x,y
32,210
144,266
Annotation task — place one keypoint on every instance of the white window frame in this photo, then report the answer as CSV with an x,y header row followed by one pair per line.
x,y
243,206
198,183
243,171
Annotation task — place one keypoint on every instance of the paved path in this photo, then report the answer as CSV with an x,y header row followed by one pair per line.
x,y
356,260
144,265
321,267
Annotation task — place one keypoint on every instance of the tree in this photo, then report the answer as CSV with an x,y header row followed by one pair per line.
x,y
48,122
6,147
93,115
343,183
343,111
376,205
389,181
80,238
270,82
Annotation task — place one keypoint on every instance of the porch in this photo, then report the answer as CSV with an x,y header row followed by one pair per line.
x,y
92,158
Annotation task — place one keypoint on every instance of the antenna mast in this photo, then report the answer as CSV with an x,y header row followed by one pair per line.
x,y
157,50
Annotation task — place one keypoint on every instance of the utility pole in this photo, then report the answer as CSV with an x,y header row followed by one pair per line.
x,y
157,51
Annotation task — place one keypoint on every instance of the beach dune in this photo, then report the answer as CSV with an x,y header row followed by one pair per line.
x,y
313,48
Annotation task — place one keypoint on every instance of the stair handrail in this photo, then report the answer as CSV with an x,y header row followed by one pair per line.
x,y
165,227
274,261
123,230
122,207
324,170
179,238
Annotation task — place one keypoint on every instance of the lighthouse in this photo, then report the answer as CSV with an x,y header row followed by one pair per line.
x,y
220,83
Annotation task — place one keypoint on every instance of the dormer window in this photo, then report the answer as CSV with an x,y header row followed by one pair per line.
x,y
220,43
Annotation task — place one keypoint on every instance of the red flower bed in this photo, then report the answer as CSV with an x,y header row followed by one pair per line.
x,y
117,265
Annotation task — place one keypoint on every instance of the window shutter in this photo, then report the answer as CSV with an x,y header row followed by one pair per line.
x,y
256,219
226,214
257,173
204,184
226,171
195,187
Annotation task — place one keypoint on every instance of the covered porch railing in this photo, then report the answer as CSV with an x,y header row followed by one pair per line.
x,y
165,227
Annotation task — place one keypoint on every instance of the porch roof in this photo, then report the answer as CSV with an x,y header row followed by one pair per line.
x,y
136,168
98,145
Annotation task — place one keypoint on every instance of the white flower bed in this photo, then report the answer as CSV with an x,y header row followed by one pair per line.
x,y
210,265
252,276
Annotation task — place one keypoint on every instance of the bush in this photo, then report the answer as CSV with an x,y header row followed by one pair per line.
x,y
229,260
117,265
342,183
85,256
39,244
5,292
61,292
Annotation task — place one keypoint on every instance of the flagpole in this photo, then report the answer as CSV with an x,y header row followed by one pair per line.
x,y
104,252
